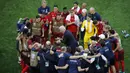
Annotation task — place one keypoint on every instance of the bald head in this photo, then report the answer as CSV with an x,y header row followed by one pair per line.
x,y
63,49
48,43
84,10
92,10
81,48
62,29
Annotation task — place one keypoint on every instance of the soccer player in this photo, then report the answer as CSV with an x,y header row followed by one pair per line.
x,y
90,30
34,58
74,66
82,18
84,6
106,28
99,26
43,61
108,53
65,13
94,14
72,23
121,56
76,8
23,51
54,13
63,57
55,28
46,22
44,9
51,57
83,15
36,29
117,49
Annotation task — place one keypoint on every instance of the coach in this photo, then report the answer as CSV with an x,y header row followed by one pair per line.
x,y
69,39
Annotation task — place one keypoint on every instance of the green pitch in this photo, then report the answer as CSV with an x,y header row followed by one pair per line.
x,y
116,11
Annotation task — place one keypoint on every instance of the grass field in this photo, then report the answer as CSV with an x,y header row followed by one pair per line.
x,y
116,11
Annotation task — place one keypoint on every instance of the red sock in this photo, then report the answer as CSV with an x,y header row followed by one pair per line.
x,y
123,66
25,69
117,66
22,64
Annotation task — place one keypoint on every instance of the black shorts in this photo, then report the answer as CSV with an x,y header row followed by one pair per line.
x,y
112,61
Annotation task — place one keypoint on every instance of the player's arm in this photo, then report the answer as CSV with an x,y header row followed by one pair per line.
x,y
94,56
83,25
96,31
105,59
76,57
77,32
42,27
82,69
78,25
32,45
50,27
61,67
19,36
89,61
115,35
42,32
39,12
68,21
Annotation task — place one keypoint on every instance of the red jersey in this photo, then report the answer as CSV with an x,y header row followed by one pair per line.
x,y
114,43
72,27
78,10
99,28
45,20
64,14
31,20
54,14
29,42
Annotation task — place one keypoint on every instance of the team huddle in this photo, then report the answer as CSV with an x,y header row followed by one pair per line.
x,y
74,40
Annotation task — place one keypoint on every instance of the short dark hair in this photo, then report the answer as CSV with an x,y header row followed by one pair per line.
x,y
95,38
95,22
55,5
76,3
95,49
102,42
29,34
37,16
112,31
25,31
106,35
69,49
106,22
89,15
65,8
